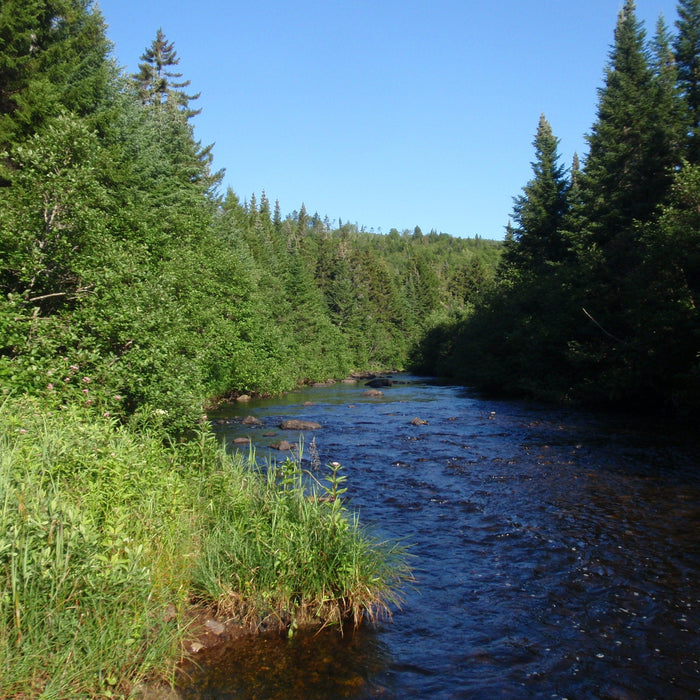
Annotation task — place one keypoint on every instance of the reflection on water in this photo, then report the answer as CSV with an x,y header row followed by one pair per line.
x,y
557,553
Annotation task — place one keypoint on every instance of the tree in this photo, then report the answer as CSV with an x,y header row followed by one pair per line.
x,y
538,213
668,113
628,171
687,54
53,57
156,84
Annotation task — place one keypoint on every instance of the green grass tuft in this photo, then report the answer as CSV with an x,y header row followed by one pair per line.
x,y
103,530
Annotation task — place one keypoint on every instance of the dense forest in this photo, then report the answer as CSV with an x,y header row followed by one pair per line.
x,y
134,294
596,294
122,261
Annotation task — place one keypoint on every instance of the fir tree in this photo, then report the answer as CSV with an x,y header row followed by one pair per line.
x,y
627,173
667,121
538,213
53,58
157,84
687,55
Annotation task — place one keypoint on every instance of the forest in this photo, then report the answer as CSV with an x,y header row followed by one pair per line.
x,y
595,298
135,295
120,257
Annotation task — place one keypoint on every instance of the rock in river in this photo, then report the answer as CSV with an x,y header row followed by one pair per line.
x,y
294,424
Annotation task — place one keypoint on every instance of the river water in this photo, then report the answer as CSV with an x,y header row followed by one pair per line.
x,y
556,552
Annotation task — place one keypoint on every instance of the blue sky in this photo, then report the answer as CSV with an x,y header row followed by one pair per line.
x,y
385,113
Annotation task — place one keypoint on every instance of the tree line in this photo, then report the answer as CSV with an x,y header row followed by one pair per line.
x,y
596,295
121,261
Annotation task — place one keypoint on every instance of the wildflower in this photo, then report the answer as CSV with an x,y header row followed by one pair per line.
x,y
86,391
66,379
22,431
86,380
74,368
117,397
49,386
106,415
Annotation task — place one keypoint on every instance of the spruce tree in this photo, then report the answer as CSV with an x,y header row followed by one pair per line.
x,y
628,170
687,55
53,58
538,213
668,123
157,84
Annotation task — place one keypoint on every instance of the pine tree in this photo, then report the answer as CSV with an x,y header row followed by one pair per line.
x,y
158,85
687,55
538,213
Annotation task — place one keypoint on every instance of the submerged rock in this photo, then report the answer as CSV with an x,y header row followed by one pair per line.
x,y
374,393
379,381
419,421
252,420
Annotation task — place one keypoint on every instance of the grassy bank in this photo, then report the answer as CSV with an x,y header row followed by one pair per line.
x,y
107,537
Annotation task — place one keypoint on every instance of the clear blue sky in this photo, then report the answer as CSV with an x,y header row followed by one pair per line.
x,y
388,113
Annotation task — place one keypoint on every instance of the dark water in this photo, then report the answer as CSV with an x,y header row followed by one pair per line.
x,y
557,553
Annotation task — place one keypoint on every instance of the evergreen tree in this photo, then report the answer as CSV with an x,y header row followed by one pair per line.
x,y
157,84
667,121
538,213
687,55
628,171
52,58
573,224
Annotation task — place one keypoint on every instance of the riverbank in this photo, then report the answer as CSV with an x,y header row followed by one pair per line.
x,y
110,538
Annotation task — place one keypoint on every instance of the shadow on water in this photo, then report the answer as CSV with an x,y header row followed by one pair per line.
x,y
318,665
557,552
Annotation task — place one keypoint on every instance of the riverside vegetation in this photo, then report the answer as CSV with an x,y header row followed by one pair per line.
x,y
134,295
596,297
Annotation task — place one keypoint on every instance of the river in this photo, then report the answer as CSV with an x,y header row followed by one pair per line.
x,y
556,552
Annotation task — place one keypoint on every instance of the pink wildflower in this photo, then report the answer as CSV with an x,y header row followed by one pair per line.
x,y
86,380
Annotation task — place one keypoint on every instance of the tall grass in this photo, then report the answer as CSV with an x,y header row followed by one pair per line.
x,y
92,522
103,529
278,551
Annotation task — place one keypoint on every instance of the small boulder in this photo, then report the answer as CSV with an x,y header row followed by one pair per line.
x,y
241,441
252,420
419,421
294,424
282,446
243,397
374,393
